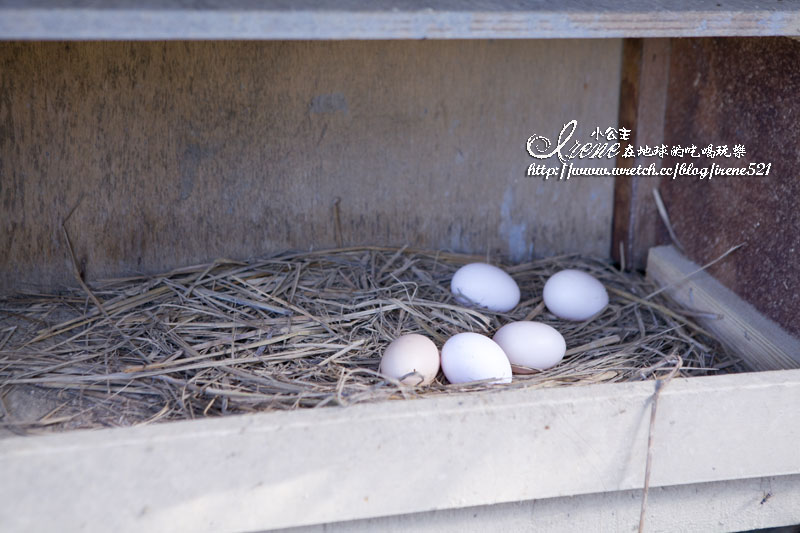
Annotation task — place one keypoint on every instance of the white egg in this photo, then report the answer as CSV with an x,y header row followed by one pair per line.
x,y
472,357
531,345
574,295
413,359
486,286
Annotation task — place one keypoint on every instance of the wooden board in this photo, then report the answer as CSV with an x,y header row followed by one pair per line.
x,y
392,19
729,92
740,505
285,469
760,342
177,153
642,101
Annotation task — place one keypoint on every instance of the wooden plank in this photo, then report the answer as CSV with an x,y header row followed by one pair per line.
x,y
643,100
386,19
168,161
714,101
759,341
624,197
297,468
740,505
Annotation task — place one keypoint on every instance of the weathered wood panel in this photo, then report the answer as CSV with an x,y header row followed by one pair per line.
x,y
740,505
174,153
728,92
757,340
282,469
392,19
643,98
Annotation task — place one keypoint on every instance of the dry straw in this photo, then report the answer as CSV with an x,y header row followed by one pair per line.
x,y
304,330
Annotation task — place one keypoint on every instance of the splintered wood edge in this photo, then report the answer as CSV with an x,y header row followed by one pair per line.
x,y
760,342
387,19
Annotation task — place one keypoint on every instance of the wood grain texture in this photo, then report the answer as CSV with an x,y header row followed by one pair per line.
x,y
175,153
630,76
284,469
643,98
392,19
728,92
757,340
722,506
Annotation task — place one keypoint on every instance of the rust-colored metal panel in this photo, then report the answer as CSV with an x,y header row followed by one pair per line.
x,y
179,152
730,91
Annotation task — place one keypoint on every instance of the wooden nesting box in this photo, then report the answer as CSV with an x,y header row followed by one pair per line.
x,y
161,135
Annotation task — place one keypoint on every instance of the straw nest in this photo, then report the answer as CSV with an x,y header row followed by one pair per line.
x,y
305,330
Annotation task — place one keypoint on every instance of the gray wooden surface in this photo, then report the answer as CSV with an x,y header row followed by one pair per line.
x,y
176,153
305,467
708,507
392,19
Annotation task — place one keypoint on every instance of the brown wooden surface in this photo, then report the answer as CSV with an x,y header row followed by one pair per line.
x,y
740,91
175,153
643,95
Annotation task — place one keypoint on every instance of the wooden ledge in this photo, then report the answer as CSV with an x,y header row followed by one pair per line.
x,y
285,469
387,19
761,343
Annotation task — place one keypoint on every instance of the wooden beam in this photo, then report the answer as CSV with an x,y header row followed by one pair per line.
x,y
759,341
284,469
643,100
740,505
388,19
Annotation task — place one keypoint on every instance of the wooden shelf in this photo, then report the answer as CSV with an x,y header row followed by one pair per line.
x,y
386,19
313,466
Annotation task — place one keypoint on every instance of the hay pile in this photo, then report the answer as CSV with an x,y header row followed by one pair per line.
x,y
304,330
